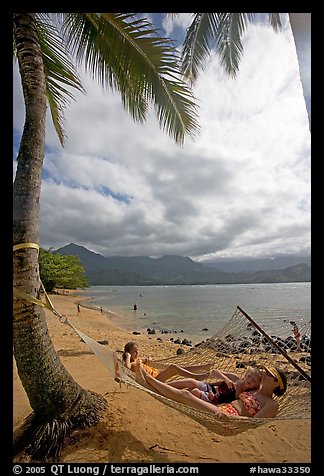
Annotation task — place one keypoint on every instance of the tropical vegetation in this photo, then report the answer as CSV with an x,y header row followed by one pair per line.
x,y
61,271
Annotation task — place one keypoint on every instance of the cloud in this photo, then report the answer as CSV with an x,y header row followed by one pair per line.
x,y
241,188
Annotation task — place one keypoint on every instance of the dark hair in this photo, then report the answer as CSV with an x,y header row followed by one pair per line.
x,y
128,347
280,391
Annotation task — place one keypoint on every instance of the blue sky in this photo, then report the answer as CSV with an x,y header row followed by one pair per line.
x,y
241,189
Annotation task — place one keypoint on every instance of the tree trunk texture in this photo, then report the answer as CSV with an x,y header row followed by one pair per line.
x,y
59,404
301,29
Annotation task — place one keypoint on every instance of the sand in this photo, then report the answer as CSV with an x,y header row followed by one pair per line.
x,y
137,428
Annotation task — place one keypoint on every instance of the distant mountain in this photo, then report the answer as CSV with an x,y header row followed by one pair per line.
x,y
171,269
236,266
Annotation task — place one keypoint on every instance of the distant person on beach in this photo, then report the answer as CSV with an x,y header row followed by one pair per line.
x,y
297,334
225,389
78,309
135,307
130,358
254,403
101,310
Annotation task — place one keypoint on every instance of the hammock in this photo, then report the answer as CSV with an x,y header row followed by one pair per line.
x,y
240,344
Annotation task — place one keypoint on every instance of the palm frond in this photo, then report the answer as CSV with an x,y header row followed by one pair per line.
x,y
231,28
125,53
224,31
197,43
60,75
275,22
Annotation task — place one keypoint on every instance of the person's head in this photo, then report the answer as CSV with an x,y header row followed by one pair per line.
x,y
278,379
251,379
131,348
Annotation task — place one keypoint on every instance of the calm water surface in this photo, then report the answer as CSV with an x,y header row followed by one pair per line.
x,y
193,308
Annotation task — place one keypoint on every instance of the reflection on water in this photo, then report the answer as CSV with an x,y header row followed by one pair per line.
x,y
194,308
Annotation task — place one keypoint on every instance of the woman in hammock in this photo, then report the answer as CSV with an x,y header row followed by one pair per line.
x,y
255,403
225,389
130,359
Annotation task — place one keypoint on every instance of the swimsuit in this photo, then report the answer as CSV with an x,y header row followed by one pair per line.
x,y
250,402
221,393
151,370
229,409
297,334
205,388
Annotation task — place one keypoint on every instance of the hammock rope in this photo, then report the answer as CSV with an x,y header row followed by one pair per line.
x,y
294,404
224,349
240,344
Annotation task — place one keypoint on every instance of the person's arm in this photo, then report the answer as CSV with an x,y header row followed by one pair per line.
x,y
269,410
127,361
228,377
211,395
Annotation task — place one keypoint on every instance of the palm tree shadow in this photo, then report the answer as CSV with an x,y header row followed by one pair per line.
x,y
102,444
116,446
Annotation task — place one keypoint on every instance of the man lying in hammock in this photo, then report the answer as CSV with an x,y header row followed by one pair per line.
x,y
225,389
130,359
254,403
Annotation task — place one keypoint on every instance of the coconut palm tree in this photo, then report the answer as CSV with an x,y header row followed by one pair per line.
x,y
224,31
124,53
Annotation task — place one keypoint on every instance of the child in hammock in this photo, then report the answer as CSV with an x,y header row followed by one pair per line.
x,y
130,358
225,389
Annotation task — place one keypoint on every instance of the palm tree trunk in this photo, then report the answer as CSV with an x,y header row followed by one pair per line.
x,y
59,404
301,29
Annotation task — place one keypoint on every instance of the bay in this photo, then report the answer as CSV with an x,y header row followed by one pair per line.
x,y
197,312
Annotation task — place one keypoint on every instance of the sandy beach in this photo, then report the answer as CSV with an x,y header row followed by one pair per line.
x,y
139,428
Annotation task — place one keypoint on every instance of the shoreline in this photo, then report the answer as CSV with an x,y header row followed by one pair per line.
x,y
113,316
87,303
196,314
137,428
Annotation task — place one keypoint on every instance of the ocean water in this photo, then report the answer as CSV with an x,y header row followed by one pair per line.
x,y
198,312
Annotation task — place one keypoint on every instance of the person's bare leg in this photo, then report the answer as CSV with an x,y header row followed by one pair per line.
x,y
198,368
178,395
189,383
174,369
196,392
159,386
139,377
298,345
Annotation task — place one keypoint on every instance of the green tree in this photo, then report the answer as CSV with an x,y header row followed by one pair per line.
x,y
224,31
124,53
61,271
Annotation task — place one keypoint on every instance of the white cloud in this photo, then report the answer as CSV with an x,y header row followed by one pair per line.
x,y
242,188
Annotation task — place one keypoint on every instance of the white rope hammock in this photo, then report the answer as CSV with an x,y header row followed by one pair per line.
x,y
240,344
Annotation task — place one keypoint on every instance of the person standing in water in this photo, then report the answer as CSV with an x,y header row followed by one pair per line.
x,y
297,334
